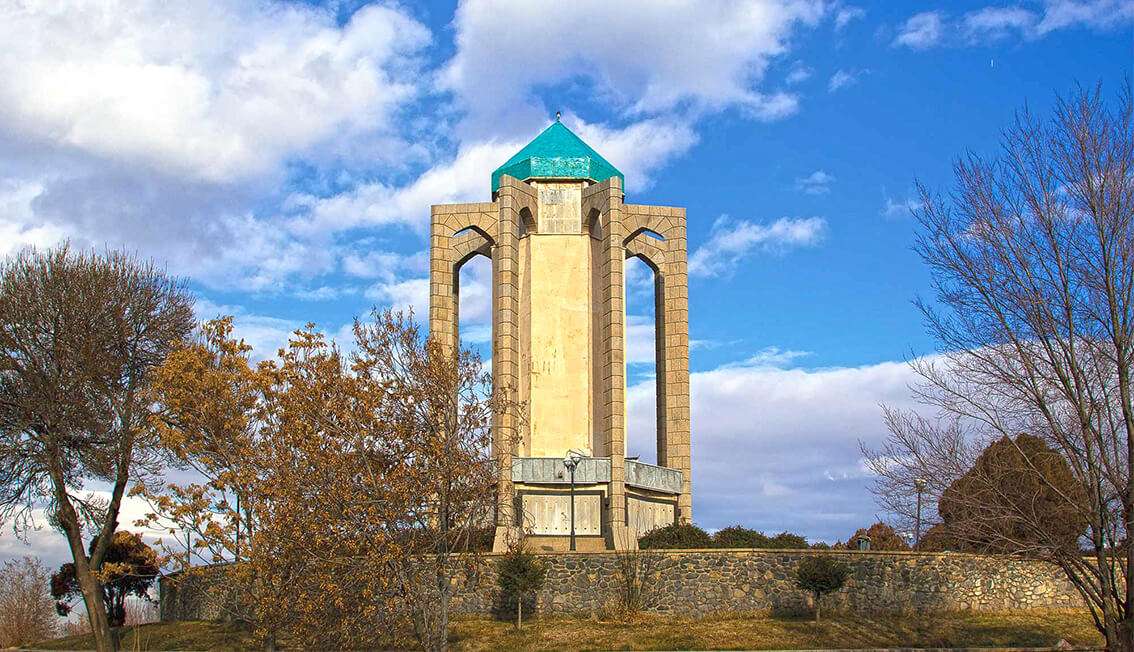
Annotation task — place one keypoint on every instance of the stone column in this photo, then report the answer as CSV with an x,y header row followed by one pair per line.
x,y
442,284
676,369
512,197
607,198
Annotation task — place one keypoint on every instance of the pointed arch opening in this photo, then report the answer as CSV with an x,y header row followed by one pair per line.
x,y
642,340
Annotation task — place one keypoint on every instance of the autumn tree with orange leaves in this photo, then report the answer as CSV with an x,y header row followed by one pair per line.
x,y
344,485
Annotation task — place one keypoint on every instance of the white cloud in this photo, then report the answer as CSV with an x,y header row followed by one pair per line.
x,y
50,545
18,226
170,130
892,207
1095,14
210,90
638,149
642,56
845,15
463,178
842,79
411,294
817,183
992,23
264,333
640,339
759,432
731,240
325,293
771,356
921,31
798,74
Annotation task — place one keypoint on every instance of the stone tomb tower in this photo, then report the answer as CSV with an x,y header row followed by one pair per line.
x,y
558,233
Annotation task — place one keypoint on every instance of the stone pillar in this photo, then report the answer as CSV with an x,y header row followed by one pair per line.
x,y
667,256
512,197
607,199
442,283
676,355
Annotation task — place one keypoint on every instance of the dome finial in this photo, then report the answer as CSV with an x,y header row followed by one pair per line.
x,y
557,115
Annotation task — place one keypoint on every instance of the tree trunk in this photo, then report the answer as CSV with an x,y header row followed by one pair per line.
x,y
92,592
1119,636
817,598
96,610
519,612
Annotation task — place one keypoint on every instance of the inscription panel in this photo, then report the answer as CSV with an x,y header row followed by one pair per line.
x,y
560,207
550,514
646,515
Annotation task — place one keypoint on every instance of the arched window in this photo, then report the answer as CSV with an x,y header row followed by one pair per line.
x,y
641,345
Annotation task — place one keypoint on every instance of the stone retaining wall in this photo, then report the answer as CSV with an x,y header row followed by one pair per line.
x,y
699,582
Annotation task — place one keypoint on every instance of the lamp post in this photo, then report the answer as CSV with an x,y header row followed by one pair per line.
x,y
571,461
920,484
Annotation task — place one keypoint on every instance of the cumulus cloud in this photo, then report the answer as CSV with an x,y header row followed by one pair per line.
x,y
707,55
463,178
765,457
921,31
50,545
18,226
731,240
208,90
167,129
264,333
249,145
640,148
817,183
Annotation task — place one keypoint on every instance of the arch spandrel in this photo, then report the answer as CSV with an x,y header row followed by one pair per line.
x,y
644,248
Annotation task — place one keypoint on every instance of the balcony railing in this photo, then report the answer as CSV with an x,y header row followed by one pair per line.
x,y
595,470
652,476
550,470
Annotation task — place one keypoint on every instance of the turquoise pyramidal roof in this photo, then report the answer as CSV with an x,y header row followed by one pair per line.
x,y
557,153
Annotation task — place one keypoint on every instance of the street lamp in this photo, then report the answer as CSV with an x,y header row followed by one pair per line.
x,y
920,484
571,461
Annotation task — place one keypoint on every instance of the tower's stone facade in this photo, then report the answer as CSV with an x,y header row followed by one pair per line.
x,y
558,233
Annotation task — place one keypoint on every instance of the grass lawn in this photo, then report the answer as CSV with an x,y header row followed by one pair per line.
x,y
759,631
651,632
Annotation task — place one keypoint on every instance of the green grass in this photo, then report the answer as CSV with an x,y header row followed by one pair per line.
x,y
654,632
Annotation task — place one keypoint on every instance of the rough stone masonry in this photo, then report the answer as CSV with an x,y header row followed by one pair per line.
x,y
702,582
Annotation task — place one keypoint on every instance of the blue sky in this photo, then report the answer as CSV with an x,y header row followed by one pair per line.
x,y
283,156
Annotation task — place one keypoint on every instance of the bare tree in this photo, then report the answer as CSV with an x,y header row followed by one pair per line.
x,y
27,612
440,405
1032,258
363,480
79,337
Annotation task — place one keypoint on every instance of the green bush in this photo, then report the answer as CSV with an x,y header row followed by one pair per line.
x,y
819,576
737,536
678,535
520,575
788,541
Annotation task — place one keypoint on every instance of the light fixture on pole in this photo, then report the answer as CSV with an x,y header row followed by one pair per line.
x,y
920,484
571,461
